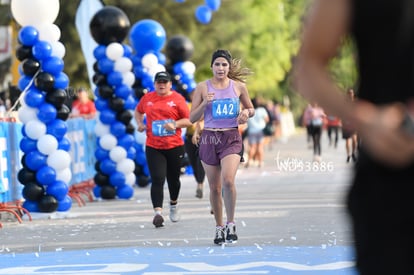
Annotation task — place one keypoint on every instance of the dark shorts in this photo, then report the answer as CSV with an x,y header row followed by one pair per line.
x,y
215,145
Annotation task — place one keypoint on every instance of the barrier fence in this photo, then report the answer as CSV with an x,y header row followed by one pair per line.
x,y
83,144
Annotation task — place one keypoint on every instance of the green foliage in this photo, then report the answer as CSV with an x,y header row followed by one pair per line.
x,y
263,34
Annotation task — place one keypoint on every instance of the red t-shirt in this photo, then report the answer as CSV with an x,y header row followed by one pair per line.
x,y
158,108
79,108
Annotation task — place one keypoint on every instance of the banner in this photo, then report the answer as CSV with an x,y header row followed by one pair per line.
x,y
86,10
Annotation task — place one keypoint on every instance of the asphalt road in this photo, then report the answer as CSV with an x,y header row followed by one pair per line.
x,y
291,207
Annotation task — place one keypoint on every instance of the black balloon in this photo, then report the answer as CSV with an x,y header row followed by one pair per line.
x,y
99,79
130,129
179,49
124,117
108,192
30,66
48,204
105,91
143,181
138,169
101,179
56,97
95,67
109,24
26,175
33,191
139,92
117,104
63,112
44,82
23,52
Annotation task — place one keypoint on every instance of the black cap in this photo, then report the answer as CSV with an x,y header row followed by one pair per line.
x,y
162,76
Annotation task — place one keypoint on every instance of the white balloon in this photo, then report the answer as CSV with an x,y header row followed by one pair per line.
x,y
189,67
123,64
114,51
149,60
117,153
58,49
128,78
49,32
130,179
155,69
35,12
27,113
47,144
59,160
101,129
64,175
35,129
125,166
108,141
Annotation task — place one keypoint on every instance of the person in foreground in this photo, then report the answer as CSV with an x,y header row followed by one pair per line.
x,y
380,200
218,101
166,113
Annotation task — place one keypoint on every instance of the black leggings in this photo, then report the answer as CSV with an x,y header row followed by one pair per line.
x,y
316,137
164,164
192,152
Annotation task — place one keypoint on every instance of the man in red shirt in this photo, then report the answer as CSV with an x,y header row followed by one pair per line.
x,y
83,106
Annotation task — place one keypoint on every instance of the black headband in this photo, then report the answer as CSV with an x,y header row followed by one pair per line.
x,y
221,53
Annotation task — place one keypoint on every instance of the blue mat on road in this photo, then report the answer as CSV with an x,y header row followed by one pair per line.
x,y
165,259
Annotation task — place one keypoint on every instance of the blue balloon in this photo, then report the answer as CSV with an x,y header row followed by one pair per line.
x,y
31,206
108,166
28,36
58,189
64,144
47,112
131,152
24,82
141,159
123,91
57,128
147,35
27,144
105,65
34,97
126,141
101,104
46,175
107,116
101,154
117,179
125,192
42,50
61,81
97,191
115,78
118,128
53,65
214,5
65,204
35,160
99,52
130,103
203,14
162,59
127,50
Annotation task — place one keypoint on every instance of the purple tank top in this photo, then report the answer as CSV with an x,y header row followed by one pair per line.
x,y
222,112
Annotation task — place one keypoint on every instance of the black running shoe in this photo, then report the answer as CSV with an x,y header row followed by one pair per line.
x,y
158,221
220,235
231,236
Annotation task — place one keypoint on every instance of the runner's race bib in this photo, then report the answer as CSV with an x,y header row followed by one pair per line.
x,y
225,108
159,130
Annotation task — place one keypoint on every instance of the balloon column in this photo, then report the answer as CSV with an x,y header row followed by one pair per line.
x,y
179,50
147,38
46,162
114,102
